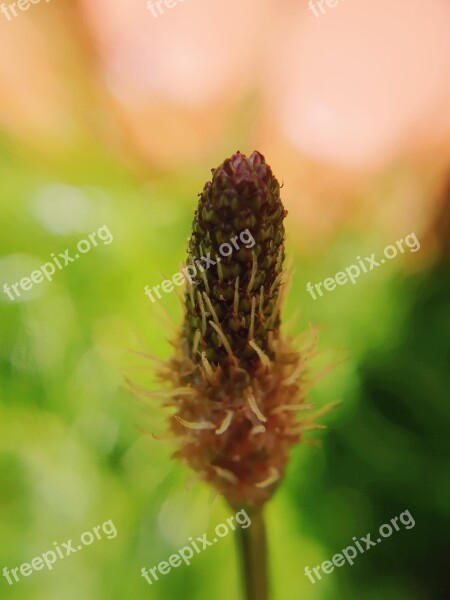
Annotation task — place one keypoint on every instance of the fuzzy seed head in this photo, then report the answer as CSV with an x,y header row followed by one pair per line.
x,y
236,381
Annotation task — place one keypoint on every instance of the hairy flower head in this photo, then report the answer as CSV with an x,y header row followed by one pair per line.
x,y
236,380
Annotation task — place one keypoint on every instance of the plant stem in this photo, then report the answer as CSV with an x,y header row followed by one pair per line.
x,y
253,557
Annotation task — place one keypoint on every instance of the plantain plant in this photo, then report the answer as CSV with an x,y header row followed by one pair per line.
x,y
237,382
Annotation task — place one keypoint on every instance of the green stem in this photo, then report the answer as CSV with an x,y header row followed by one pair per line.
x,y
253,557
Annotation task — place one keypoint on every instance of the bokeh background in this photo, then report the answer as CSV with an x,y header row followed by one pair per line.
x,y
110,116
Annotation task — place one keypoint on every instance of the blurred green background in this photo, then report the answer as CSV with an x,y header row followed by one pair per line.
x,y
77,448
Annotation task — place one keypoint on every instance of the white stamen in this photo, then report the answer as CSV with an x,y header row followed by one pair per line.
x,y
262,355
273,476
225,423
196,426
255,408
225,474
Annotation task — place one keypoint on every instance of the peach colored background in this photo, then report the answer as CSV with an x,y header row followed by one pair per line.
x,y
334,102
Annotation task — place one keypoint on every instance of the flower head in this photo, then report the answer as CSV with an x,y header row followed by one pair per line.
x,y
237,381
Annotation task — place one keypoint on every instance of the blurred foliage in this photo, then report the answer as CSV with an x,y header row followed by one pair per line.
x,y
76,448
393,454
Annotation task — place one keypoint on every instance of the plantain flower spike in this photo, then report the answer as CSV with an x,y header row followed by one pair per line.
x,y
236,381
